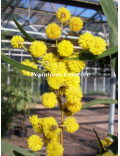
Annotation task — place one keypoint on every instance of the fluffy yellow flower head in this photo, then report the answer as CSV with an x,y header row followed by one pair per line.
x,y
66,111
85,39
34,119
38,48
71,125
76,66
71,79
74,107
35,143
65,48
48,59
56,80
50,127
63,14
17,41
98,46
36,123
73,94
49,100
76,24
53,31
30,64
54,149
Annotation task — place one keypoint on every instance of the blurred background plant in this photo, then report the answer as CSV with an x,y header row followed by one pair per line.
x,y
16,98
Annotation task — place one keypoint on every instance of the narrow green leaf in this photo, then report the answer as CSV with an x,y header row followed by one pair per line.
x,y
108,52
111,15
19,65
99,101
114,137
101,146
30,38
110,12
13,150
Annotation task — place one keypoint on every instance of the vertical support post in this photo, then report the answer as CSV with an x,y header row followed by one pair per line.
x,y
103,83
81,80
112,106
85,86
95,81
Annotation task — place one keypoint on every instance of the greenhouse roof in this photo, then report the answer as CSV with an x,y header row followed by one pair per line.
x,y
34,16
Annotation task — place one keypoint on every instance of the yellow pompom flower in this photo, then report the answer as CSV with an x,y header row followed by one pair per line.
x,y
38,48
76,66
74,107
34,119
76,24
98,46
56,80
73,94
63,14
49,100
85,40
54,149
71,125
66,111
65,48
36,123
17,41
35,143
109,153
30,64
48,59
50,127
72,80
53,31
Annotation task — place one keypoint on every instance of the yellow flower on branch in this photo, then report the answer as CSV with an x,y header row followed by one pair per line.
x,y
76,24
85,40
38,48
53,31
30,64
54,149
48,60
74,107
75,66
98,46
50,127
63,14
35,143
73,94
71,125
65,48
49,100
17,41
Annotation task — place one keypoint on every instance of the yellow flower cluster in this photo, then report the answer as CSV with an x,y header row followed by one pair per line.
x,y
35,143
65,48
56,80
49,100
50,130
71,125
48,60
63,14
53,31
54,149
96,45
76,24
38,48
30,64
17,41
